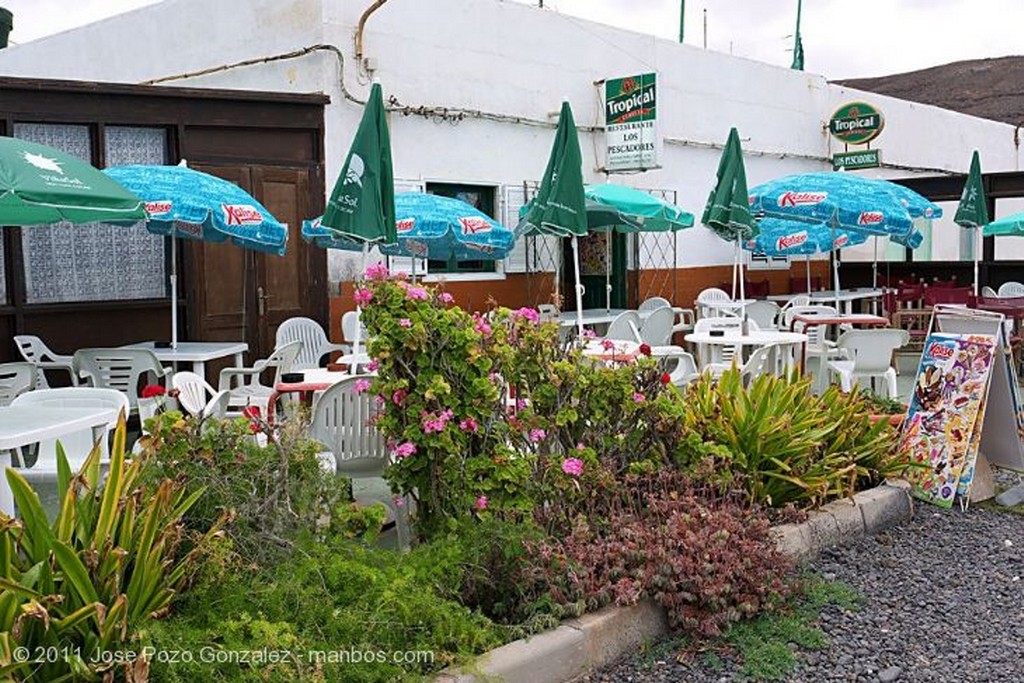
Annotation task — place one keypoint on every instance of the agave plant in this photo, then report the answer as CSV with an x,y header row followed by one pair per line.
x,y
78,589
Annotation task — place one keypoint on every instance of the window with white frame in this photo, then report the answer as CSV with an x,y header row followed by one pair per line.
x,y
94,261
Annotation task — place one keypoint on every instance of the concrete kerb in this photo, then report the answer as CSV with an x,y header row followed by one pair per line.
x,y
594,640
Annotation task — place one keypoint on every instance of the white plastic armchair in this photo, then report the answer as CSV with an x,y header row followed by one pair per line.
x,y
623,327
35,351
867,354
796,300
987,291
76,446
250,391
759,363
652,304
712,294
349,320
1011,289
119,369
194,392
764,313
679,363
315,344
15,380
341,423
656,329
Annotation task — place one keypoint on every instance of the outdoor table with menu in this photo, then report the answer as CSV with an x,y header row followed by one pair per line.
x,y
791,344
25,425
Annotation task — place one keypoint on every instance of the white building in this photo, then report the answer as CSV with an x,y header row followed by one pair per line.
x,y
473,85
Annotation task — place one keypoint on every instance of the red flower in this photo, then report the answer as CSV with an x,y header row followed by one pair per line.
x,y
152,391
251,412
645,349
665,378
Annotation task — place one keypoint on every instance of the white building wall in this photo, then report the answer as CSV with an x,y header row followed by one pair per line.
x,y
490,58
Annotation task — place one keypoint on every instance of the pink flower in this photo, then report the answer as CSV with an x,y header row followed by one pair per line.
x,y
481,503
401,275
362,296
398,398
436,423
446,298
416,294
638,397
361,385
572,466
520,403
482,326
607,345
380,400
537,435
405,322
468,425
589,334
580,446
530,314
377,271
373,365
404,450
398,501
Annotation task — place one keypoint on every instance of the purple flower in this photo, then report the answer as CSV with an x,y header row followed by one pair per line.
x,y
377,271
405,322
481,503
468,425
362,296
530,314
416,294
446,298
373,365
572,466
361,385
404,450
638,397
537,435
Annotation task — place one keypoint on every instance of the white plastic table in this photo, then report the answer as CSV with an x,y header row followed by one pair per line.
x,y
24,425
731,305
791,344
591,316
196,353
845,297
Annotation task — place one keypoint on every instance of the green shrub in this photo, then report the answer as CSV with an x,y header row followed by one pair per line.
x,y
79,590
790,445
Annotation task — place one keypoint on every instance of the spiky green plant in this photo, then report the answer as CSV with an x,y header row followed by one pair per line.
x,y
79,589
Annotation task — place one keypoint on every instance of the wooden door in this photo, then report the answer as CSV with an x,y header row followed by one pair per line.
x,y
238,294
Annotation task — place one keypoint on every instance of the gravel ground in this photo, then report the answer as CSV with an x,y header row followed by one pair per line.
x,y
943,600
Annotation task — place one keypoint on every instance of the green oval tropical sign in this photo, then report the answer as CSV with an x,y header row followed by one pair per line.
x,y
856,123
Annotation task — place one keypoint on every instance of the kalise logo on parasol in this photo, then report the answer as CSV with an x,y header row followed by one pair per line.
x,y
158,208
840,241
940,351
472,225
241,214
802,198
405,224
790,241
870,218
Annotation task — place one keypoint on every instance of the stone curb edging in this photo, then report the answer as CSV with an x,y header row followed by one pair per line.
x,y
581,645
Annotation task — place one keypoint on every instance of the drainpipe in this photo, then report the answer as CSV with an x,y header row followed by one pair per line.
x,y
6,24
362,26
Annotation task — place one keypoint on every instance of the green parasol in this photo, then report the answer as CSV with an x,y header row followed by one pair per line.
x,y
41,185
972,212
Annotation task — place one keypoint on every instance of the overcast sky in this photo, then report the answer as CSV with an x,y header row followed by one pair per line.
x,y
842,38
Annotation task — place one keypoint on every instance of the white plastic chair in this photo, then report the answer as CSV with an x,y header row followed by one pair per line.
x,y
35,351
987,291
620,328
315,344
119,369
795,300
680,364
341,422
759,363
193,392
718,358
1011,289
867,354
15,380
764,313
250,391
656,329
348,330
76,446
652,304
712,294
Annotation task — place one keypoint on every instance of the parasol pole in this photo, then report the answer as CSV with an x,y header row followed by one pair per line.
x,y
174,289
874,266
579,287
608,272
807,262
977,250
835,267
743,294
359,310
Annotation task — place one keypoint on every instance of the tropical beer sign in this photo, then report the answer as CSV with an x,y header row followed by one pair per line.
x,y
630,108
856,123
